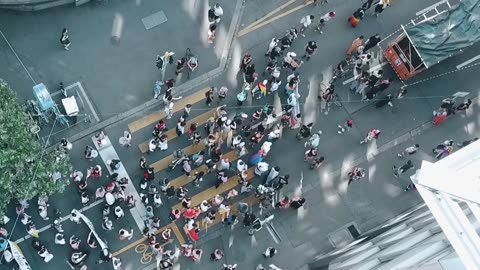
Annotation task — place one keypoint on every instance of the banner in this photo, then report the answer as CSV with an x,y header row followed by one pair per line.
x,y
18,256
92,228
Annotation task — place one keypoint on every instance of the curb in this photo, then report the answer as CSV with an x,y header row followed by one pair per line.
x,y
181,89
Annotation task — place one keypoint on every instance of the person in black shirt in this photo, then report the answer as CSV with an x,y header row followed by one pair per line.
x,y
371,42
310,49
285,42
295,204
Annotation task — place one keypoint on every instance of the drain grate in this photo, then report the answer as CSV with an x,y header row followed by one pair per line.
x,y
154,20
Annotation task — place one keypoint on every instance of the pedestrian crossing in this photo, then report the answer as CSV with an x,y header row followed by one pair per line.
x,y
156,116
172,134
250,200
211,192
184,180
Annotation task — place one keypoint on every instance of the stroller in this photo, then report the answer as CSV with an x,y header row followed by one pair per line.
x,y
178,157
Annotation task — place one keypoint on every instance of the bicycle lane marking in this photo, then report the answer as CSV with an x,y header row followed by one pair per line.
x,y
172,226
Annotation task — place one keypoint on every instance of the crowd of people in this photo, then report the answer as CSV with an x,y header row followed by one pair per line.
x,y
250,136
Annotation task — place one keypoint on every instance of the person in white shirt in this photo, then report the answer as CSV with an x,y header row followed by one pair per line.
x,y
306,22
323,20
273,43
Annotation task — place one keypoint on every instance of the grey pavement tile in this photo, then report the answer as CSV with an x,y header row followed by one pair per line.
x,y
153,20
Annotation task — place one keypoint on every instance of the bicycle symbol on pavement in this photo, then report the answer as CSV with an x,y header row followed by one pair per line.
x,y
147,254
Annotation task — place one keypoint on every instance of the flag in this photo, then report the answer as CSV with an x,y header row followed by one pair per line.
x,y
263,87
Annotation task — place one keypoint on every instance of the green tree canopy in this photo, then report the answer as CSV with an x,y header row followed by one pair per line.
x,y
26,169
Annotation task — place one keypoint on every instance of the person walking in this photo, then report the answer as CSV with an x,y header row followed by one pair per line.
x,y
270,252
310,49
381,5
306,22
297,203
64,39
398,171
209,96
355,44
323,20
409,151
372,42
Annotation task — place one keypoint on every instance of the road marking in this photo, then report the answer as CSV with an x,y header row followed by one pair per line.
x,y
430,7
147,254
468,62
266,16
370,70
184,180
107,152
189,150
255,27
61,220
155,116
141,240
172,133
250,200
178,234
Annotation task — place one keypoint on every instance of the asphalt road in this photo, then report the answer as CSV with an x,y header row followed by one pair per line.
x,y
330,203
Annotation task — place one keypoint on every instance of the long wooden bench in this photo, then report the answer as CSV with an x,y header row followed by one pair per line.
x,y
183,180
172,134
250,200
211,192
155,116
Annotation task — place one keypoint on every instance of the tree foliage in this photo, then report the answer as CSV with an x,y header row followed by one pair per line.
x,y
26,168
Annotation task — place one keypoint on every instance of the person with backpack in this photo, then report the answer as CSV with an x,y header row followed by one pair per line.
x,y
310,49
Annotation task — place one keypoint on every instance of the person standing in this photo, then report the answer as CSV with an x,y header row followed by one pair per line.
x,y
222,94
216,255
211,33
355,44
372,42
310,49
64,39
124,234
306,22
180,65
398,171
